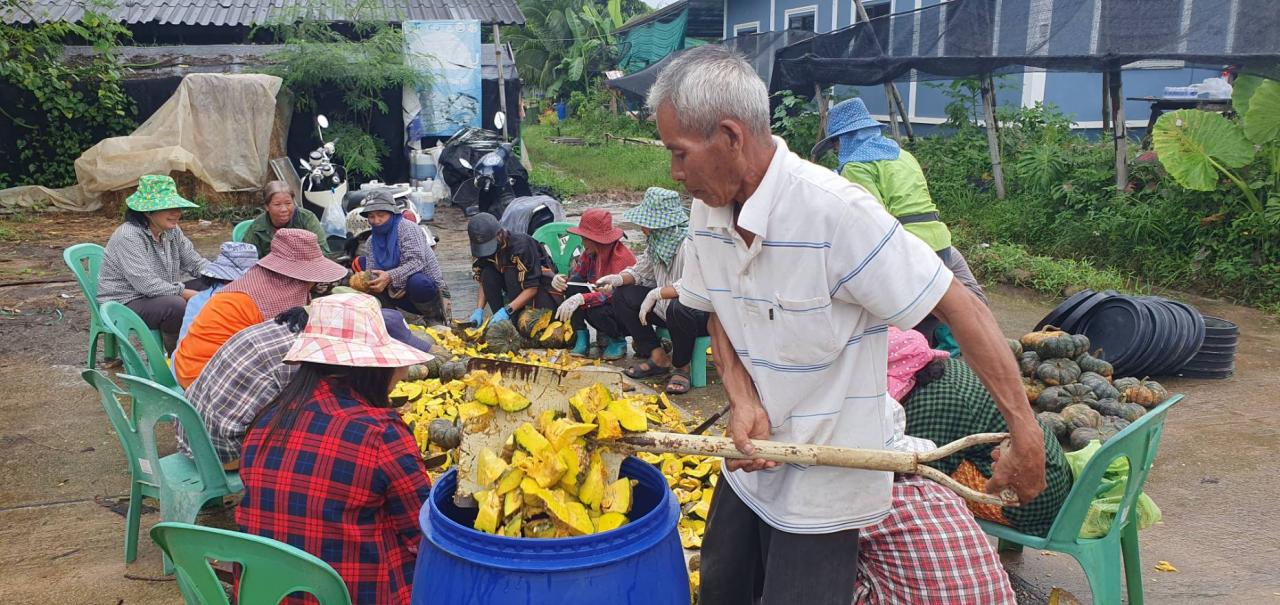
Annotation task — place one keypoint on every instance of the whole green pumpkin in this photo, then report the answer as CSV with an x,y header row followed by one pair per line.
x,y
1016,347
453,370
1133,390
1080,344
1081,437
1100,386
1132,411
1053,399
1033,388
1079,415
1051,422
1028,363
1055,347
1157,390
1056,372
1110,408
1089,363
502,337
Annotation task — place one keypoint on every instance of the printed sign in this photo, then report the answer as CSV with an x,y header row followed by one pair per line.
x,y
449,53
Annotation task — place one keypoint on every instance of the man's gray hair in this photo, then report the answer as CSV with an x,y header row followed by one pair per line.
x,y
712,83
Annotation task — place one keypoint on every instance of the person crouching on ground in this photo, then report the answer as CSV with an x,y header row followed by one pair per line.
x,y
646,293
147,257
604,254
405,272
279,211
234,260
802,272
329,466
281,280
514,271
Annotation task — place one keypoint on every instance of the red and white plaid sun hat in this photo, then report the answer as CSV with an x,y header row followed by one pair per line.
x,y
347,330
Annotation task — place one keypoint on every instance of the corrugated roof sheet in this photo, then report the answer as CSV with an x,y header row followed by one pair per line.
x,y
259,12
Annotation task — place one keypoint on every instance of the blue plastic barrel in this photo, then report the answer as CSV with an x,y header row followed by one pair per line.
x,y
640,563
562,111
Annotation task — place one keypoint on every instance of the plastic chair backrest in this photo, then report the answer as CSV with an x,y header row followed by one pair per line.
x,y
270,570
126,430
562,245
77,257
241,228
1138,443
153,403
122,322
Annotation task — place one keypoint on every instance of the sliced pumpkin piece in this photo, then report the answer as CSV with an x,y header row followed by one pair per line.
x,y
512,502
617,497
563,432
487,394
512,527
573,468
592,491
703,507
511,401
530,439
608,426
610,521
510,481
546,468
490,511
489,467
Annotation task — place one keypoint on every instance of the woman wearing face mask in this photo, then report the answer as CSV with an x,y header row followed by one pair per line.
x,y
148,256
280,212
405,272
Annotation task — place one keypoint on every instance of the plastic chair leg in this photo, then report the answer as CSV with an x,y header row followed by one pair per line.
x,y
132,519
1132,560
698,364
1102,567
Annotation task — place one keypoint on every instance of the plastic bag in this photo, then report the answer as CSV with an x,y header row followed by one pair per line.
x,y
1213,88
1106,502
334,221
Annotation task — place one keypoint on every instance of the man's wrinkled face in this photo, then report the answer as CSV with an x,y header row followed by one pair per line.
x,y
709,168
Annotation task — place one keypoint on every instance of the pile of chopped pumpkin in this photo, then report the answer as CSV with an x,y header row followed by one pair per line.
x,y
460,345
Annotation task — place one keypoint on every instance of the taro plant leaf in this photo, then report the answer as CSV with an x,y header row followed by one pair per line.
x,y
1194,146
1242,91
1262,119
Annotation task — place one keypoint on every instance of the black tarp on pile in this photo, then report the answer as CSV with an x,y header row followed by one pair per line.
x,y
963,38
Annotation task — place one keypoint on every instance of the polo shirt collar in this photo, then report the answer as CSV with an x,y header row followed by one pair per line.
x,y
754,216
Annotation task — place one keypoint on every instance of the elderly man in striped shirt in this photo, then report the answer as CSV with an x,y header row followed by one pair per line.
x,y
803,272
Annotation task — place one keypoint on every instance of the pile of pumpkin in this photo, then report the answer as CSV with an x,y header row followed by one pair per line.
x,y
455,346
1074,392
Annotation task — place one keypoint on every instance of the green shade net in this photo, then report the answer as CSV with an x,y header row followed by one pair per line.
x,y
646,44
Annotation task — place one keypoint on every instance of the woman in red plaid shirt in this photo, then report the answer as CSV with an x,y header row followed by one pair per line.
x,y
329,466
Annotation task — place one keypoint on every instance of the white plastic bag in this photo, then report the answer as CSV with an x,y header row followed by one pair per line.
x,y
334,221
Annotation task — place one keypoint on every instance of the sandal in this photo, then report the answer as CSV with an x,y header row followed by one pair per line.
x,y
679,383
646,369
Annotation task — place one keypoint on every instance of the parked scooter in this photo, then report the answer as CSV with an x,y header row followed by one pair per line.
x,y
324,183
487,183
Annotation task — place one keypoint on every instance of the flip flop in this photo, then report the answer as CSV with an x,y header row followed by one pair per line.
x,y
679,383
646,369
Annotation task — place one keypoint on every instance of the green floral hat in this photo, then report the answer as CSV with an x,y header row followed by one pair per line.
x,y
157,192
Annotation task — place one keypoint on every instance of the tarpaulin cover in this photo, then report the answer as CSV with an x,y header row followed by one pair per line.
x,y
759,49
964,38
215,126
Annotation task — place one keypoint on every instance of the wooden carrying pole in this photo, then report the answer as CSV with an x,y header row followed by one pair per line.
x,y
993,133
502,79
890,89
1120,129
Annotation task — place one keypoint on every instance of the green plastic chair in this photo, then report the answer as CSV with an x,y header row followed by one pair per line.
x,y
271,570
85,260
241,228
122,322
698,364
1101,557
182,485
562,245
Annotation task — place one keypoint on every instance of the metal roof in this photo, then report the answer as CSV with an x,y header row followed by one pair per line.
x,y
259,12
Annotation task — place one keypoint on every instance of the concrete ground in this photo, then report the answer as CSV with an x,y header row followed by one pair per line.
x,y
61,523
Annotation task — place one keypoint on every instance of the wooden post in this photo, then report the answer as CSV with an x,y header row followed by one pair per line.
x,y
502,79
1106,101
993,135
1120,130
613,101
890,89
893,113
821,99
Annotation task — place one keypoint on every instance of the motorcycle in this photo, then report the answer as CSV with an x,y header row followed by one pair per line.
x,y
324,184
486,183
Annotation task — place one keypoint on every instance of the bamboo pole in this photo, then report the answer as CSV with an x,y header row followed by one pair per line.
x,y
502,79
1120,130
821,98
1106,101
993,134
890,89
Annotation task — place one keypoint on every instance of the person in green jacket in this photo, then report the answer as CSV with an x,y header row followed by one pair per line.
x,y
280,212
893,176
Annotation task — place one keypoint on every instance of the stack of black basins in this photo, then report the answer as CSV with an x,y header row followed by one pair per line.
x,y
1148,335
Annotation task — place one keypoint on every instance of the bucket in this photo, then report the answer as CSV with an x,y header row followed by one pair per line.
x,y
640,563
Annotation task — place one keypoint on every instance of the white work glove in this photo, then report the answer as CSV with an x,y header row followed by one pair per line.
x,y
608,283
650,301
560,282
571,304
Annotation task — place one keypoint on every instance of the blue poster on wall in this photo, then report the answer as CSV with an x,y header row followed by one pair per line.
x,y
448,52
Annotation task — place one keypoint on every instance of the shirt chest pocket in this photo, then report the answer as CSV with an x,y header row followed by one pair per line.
x,y
804,330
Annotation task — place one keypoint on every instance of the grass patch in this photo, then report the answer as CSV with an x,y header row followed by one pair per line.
x,y
1013,264
597,166
220,212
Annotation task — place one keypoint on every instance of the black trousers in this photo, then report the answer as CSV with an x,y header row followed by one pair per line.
x,y
684,324
501,288
745,559
601,318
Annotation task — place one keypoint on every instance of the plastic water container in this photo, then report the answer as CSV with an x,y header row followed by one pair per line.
x,y
440,191
424,203
422,166
640,563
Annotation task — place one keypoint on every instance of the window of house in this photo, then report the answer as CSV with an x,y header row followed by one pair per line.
x,y
746,28
805,17
876,10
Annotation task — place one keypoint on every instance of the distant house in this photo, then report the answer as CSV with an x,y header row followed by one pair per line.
x,y
1077,94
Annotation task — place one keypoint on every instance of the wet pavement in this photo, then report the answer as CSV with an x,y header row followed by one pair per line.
x,y
61,520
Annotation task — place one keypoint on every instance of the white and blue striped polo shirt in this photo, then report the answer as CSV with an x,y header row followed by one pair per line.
x,y
807,307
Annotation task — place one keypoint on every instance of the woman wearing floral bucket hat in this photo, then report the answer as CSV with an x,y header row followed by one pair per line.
x,y
234,260
281,280
646,293
604,254
148,256
328,465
